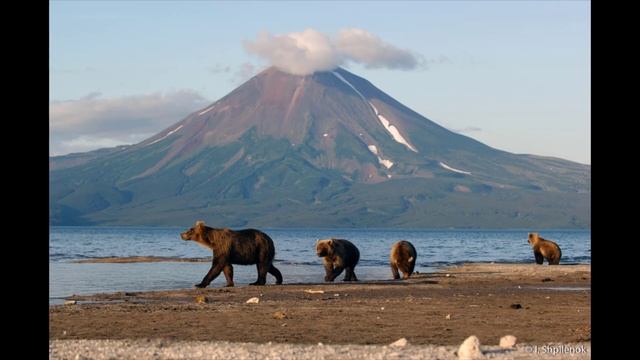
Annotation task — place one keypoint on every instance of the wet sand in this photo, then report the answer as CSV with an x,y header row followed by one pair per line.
x,y
537,304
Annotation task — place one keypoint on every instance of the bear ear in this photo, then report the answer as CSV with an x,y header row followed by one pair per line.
x,y
330,242
199,223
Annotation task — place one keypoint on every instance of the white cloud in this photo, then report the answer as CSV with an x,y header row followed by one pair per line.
x,y
363,47
84,143
302,53
296,53
93,122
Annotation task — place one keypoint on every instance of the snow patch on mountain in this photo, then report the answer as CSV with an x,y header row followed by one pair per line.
x,y
164,137
348,83
386,163
206,110
454,169
395,133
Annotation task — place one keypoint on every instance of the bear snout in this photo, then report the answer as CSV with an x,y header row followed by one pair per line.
x,y
184,236
321,252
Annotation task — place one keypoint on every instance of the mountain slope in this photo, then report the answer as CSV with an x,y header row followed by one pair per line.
x,y
328,149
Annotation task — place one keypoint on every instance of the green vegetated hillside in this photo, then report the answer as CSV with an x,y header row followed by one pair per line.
x,y
292,151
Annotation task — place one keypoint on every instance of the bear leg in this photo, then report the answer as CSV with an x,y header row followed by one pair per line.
x,y
215,270
353,274
328,268
539,258
262,275
337,270
347,274
275,272
394,271
228,274
412,266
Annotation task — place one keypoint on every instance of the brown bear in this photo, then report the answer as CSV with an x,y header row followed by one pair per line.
x,y
545,249
403,257
338,255
241,247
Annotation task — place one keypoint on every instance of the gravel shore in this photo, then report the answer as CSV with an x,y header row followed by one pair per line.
x,y
167,349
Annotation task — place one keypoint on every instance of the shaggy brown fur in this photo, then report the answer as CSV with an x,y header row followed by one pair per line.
x,y
338,255
241,247
545,249
403,257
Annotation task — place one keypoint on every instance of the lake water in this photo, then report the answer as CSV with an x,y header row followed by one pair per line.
x,y
295,255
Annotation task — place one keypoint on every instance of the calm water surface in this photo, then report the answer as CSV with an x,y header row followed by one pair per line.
x,y
295,255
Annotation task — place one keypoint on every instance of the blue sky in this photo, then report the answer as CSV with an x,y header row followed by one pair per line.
x,y
514,75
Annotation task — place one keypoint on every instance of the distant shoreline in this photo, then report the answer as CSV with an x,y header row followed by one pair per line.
x,y
139,259
150,259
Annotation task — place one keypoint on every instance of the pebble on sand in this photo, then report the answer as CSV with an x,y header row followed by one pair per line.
x,y
70,302
400,343
470,349
448,316
253,300
201,299
508,341
279,315
314,291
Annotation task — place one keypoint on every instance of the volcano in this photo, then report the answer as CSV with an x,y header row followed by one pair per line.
x,y
323,150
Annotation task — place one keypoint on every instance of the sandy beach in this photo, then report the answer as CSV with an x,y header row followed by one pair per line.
x,y
537,304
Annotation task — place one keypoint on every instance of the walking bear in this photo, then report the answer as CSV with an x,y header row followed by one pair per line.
x,y
229,247
403,257
545,249
338,255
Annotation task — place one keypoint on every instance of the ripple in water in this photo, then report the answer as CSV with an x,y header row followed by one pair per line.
x,y
295,255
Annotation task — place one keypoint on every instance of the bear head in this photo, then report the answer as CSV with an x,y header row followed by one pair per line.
x,y
324,247
197,234
533,238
